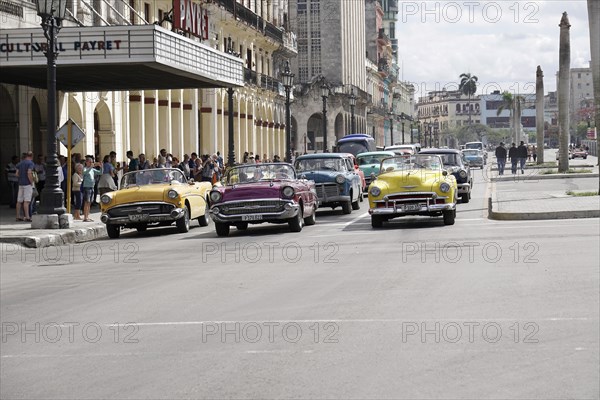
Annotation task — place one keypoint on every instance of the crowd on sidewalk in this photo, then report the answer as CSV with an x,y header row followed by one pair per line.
x,y
91,178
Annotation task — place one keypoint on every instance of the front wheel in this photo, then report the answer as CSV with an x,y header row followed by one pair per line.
x,y
376,221
241,226
449,216
464,198
222,229
311,220
296,222
356,204
141,228
183,223
114,231
347,207
204,220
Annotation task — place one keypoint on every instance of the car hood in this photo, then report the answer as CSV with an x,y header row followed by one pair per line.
x,y
321,176
370,169
473,157
141,194
252,191
410,181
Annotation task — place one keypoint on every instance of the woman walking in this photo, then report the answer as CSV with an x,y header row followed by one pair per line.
x,y
89,175
107,182
76,182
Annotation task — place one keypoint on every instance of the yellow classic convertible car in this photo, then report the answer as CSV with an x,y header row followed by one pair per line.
x,y
155,197
412,185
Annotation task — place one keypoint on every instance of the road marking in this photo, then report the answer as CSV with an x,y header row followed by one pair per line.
x,y
357,218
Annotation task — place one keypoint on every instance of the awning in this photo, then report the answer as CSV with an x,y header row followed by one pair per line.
x,y
108,58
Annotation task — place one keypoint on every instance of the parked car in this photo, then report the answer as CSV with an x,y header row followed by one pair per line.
x,y
337,183
370,162
478,146
258,193
579,153
474,157
454,163
155,197
558,155
412,185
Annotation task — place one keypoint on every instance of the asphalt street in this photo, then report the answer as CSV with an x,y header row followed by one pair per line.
x,y
416,310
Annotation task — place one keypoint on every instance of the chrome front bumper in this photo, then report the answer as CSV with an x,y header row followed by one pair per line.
x,y
174,215
464,187
334,199
397,210
290,210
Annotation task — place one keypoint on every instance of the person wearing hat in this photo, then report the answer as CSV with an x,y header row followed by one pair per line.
x,y
501,158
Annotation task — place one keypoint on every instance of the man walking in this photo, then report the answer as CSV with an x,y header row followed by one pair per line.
x,y
514,158
522,155
501,158
25,176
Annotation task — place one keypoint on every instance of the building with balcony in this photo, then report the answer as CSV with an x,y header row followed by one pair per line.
x,y
134,77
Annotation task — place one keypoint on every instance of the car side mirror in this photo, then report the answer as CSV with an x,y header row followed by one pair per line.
x,y
191,181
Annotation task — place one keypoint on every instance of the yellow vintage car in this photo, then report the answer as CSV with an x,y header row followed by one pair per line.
x,y
155,197
412,185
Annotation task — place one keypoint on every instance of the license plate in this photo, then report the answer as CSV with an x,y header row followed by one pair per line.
x,y
138,217
252,217
412,207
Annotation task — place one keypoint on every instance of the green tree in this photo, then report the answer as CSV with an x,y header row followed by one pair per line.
x,y
468,86
514,104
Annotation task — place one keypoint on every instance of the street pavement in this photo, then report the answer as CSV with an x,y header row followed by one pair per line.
x,y
482,309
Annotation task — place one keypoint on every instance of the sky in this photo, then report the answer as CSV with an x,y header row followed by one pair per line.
x,y
501,42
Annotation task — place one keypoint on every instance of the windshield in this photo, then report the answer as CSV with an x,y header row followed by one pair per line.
x,y
353,147
259,172
450,159
320,164
371,159
471,153
411,162
157,176
476,145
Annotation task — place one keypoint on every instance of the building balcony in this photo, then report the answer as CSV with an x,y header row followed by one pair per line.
x,y
250,18
382,38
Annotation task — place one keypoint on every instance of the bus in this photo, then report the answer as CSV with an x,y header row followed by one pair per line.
x,y
355,144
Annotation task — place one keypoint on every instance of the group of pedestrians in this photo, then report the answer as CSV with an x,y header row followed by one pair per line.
x,y
517,156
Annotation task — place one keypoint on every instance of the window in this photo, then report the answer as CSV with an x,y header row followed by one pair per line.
x,y
147,12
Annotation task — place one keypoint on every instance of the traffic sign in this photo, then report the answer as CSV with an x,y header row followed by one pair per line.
x,y
76,134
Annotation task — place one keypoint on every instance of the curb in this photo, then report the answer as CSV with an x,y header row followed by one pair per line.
x,y
517,178
58,239
529,216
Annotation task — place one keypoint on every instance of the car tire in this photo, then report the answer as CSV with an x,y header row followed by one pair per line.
x,y
114,231
585,157
141,228
356,204
204,220
347,207
297,222
222,229
464,198
312,219
183,223
376,221
449,217
242,226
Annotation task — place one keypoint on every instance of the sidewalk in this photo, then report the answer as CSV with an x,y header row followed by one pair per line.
x,y
532,196
21,233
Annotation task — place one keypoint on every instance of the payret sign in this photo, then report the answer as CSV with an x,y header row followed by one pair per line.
x,y
190,17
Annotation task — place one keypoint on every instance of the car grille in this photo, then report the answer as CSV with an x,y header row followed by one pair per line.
x,y
325,190
422,198
151,209
252,207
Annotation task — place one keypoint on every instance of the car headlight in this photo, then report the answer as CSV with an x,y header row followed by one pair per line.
x,y
462,173
172,194
105,199
215,196
288,191
340,179
375,191
444,187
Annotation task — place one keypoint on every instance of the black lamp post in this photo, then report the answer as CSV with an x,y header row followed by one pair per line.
x,y
231,147
352,105
391,128
402,117
52,12
412,125
287,79
324,95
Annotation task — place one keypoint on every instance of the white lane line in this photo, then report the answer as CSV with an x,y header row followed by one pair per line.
x,y
357,218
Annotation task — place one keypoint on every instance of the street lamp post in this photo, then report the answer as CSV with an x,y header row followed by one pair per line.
x,y
231,152
402,117
324,95
352,105
288,80
52,12
391,129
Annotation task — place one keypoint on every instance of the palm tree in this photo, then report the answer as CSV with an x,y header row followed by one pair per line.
x,y
468,86
514,105
564,77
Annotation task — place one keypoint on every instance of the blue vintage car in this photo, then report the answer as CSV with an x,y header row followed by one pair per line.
x,y
337,184
369,163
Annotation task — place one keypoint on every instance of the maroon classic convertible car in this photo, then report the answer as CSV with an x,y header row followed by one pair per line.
x,y
257,193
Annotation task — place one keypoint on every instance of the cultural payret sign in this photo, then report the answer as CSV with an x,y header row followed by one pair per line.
x,y
190,17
